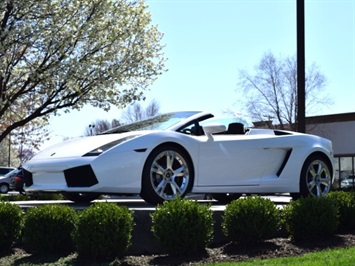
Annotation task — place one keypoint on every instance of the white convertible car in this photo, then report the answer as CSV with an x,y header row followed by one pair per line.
x,y
184,152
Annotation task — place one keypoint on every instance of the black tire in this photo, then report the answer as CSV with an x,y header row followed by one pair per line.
x,y
168,173
316,177
80,197
295,196
225,197
4,188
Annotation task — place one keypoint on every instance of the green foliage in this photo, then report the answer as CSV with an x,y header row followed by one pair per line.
x,y
14,197
4,152
46,196
11,220
183,226
345,202
49,229
311,217
24,197
251,219
104,230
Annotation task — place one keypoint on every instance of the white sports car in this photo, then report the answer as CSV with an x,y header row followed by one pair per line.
x,y
184,152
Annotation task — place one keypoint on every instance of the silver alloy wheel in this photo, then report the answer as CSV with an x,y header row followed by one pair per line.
x,y
318,178
4,188
169,174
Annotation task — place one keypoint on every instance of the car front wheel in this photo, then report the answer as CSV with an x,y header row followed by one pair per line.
x,y
4,188
167,174
316,177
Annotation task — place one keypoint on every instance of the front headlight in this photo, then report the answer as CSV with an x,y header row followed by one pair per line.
x,y
107,146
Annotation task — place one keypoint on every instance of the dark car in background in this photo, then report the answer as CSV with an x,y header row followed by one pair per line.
x,y
5,180
5,169
17,181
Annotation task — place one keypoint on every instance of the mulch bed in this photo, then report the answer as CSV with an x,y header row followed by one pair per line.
x,y
227,252
232,252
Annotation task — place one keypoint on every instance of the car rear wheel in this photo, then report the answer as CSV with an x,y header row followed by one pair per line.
x,y
4,188
316,177
225,197
167,174
80,197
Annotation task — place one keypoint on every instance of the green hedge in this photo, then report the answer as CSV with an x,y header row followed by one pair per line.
x,y
35,196
104,230
49,228
311,218
183,226
345,203
11,220
251,219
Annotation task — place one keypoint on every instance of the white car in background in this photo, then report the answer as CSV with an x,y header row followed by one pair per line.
x,y
348,183
184,152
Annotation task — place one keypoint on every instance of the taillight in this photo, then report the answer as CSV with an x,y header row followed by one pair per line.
x,y
17,179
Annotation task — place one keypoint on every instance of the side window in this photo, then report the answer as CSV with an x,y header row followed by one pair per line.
x,y
193,129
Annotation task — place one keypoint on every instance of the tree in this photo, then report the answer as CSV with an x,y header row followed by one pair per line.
x,y
152,109
100,126
66,54
271,94
28,138
132,114
136,112
8,154
22,143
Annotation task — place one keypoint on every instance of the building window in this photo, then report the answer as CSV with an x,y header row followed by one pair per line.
x,y
344,177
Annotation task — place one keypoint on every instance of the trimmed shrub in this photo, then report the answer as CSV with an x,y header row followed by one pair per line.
x,y
46,196
345,202
49,228
11,220
182,226
15,197
104,231
251,219
311,217
36,196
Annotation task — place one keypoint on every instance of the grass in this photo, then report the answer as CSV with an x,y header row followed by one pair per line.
x,y
333,257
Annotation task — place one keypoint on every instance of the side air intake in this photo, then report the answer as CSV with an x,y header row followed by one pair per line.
x,y
288,154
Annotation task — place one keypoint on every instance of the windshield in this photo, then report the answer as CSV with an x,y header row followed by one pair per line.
x,y
159,122
11,173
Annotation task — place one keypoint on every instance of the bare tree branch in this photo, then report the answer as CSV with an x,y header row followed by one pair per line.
x,y
272,91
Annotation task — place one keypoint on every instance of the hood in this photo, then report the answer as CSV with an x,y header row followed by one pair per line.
x,y
79,146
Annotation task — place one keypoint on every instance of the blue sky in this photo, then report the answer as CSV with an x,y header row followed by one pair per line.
x,y
209,41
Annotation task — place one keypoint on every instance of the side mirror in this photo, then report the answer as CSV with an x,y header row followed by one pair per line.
x,y
213,129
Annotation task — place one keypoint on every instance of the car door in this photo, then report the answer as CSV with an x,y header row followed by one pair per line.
x,y
239,160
